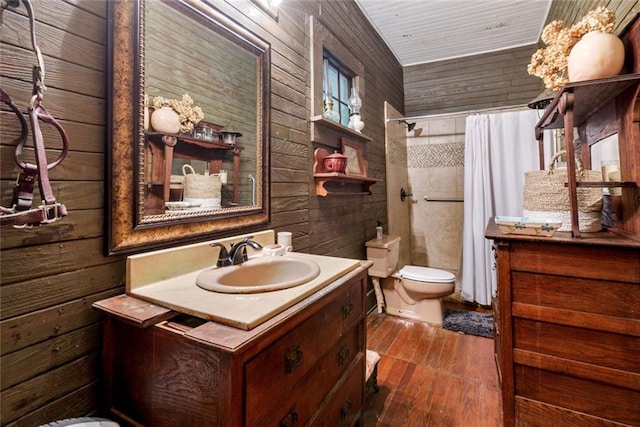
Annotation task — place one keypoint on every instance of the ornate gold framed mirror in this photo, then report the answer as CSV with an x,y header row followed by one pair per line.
x,y
162,50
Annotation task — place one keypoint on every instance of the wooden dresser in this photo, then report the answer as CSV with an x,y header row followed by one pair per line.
x,y
567,309
305,366
568,329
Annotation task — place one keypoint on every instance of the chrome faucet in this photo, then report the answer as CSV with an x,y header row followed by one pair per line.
x,y
242,247
226,258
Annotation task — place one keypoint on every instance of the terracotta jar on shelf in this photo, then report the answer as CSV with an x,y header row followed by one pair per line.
x,y
335,162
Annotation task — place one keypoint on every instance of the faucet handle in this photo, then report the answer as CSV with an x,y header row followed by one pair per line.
x,y
243,256
223,257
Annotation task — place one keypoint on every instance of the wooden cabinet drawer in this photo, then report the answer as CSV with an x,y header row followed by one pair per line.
x,y
589,262
307,396
603,297
292,356
579,395
344,407
615,351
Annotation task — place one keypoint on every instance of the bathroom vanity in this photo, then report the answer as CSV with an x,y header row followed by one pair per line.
x,y
303,366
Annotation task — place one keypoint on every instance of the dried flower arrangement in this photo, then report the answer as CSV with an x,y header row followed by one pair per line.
x,y
189,115
550,63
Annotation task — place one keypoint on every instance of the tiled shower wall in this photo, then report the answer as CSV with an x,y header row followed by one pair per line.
x,y
435,161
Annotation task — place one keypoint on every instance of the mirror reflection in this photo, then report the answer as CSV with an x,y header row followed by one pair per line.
x,y
189,116
209,162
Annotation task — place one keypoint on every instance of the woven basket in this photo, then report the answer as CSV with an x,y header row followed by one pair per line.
x,y
546,197
198,186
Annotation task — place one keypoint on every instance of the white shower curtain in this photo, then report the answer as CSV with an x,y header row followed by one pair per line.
x,y
499,149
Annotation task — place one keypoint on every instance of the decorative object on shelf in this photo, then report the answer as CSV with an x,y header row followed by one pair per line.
x,y
356,165
335,162
550,63
203,189
205,131
165,120
338,183
355,103
611,173
527,226
188,114
596,56
546,197
329,112
229,136
223,176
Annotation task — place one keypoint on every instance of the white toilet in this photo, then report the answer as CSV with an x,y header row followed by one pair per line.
x,y
412,292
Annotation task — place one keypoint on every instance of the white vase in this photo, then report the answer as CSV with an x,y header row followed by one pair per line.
x,y
356,123
596,56
165,120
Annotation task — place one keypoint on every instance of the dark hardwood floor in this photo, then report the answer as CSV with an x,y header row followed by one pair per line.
x,y
429,376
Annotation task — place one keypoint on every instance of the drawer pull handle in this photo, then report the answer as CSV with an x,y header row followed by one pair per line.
x,y
290,420
345,409
293,359
347,308
343,355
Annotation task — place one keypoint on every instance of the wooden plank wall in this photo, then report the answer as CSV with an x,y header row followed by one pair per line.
x,y
494,79
471,83
51,337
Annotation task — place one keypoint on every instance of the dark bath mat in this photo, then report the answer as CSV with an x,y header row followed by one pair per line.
x,y
469,322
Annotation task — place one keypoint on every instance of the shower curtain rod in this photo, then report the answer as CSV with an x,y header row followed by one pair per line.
x,y
459,113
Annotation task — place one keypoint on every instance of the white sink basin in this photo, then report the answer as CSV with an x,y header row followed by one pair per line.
x,y
259,275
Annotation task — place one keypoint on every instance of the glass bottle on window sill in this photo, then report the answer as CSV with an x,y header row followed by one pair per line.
x,y
329,112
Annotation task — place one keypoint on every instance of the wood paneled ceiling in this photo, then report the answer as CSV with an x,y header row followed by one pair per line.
x,y
423,31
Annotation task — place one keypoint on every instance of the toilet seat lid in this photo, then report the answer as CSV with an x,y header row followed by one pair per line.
x,y
426,274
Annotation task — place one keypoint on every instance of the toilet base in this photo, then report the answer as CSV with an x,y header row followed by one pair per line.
x,y
427,310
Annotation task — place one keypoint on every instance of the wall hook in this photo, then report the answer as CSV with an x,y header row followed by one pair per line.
x,y
404,194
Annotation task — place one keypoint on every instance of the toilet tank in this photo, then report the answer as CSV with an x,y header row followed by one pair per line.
x,y
384,253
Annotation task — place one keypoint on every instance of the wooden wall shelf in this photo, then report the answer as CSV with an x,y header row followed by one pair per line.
x,y
323,187
333,125
588,98
330,133
339,183
165,147
597,109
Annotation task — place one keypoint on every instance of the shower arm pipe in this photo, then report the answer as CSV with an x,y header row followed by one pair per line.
x,y
459,113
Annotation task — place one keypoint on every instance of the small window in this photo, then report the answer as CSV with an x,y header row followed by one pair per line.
x,y
336,85
332,65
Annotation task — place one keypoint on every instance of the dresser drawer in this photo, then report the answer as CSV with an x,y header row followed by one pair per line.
x,y
344,407
605,297
273,373
588,262
582,396
307,396
611,350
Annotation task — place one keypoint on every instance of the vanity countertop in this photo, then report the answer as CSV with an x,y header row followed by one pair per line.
x,y
244,311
